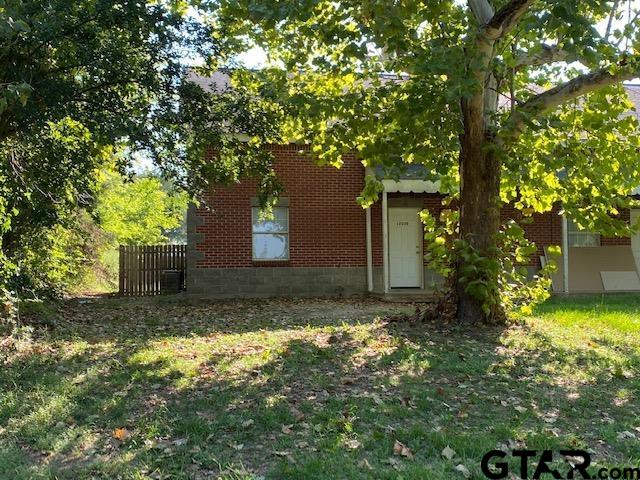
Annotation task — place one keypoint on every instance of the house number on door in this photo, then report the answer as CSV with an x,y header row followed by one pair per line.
x,y
403,223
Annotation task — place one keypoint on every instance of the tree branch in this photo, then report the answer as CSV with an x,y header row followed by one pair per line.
x,y
549,54
507,17
614,10
493,26
482,10
570,90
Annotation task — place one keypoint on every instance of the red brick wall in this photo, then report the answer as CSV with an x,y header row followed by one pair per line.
x,y
610,241
326,225
542,229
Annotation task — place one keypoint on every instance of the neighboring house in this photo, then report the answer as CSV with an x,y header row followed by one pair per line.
x,y
320,242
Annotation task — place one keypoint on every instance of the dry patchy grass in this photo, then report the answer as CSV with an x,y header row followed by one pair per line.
x,y
157,388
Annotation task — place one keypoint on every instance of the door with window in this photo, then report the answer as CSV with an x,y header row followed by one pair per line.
x,y
405,248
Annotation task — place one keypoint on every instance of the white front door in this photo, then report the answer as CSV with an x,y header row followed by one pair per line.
x,y
405,248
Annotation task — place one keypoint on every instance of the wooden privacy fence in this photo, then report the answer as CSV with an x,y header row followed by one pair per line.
x,y
141,267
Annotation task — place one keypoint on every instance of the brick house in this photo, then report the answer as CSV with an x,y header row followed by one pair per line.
x,y
321,242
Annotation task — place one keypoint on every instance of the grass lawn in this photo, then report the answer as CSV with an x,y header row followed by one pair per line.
x,y
313,389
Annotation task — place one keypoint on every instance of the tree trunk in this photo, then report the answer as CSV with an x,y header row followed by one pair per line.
x,y
479,202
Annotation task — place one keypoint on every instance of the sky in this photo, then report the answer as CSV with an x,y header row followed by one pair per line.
x,y
253,58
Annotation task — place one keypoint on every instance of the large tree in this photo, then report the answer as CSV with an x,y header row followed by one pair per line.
x,y
502,100
81,81
139,212
88,72
75,77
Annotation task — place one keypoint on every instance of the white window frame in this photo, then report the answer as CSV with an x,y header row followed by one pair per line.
x,y
574,233
280,232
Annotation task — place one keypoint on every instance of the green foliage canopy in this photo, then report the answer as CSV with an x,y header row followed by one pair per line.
x,y
138,212
79,80
386,79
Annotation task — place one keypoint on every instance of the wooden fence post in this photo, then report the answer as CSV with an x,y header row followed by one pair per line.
x,y
121,270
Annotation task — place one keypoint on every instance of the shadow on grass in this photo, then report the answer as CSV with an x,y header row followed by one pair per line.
x,y
304,390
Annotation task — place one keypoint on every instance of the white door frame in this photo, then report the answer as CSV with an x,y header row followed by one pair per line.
x,y
634,214
386,253
385,241
565,254
393,186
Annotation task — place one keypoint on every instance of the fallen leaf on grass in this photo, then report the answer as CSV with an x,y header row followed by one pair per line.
x,y
352,444
248,423
180,441
574,460
553,431
463,470
516,444
121,434
407,402
626,434
395,463
402,450
149,443
301,444
297,414
448,452
281,453
287,429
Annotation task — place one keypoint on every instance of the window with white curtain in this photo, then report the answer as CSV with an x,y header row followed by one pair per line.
x,y
581,238
270,235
